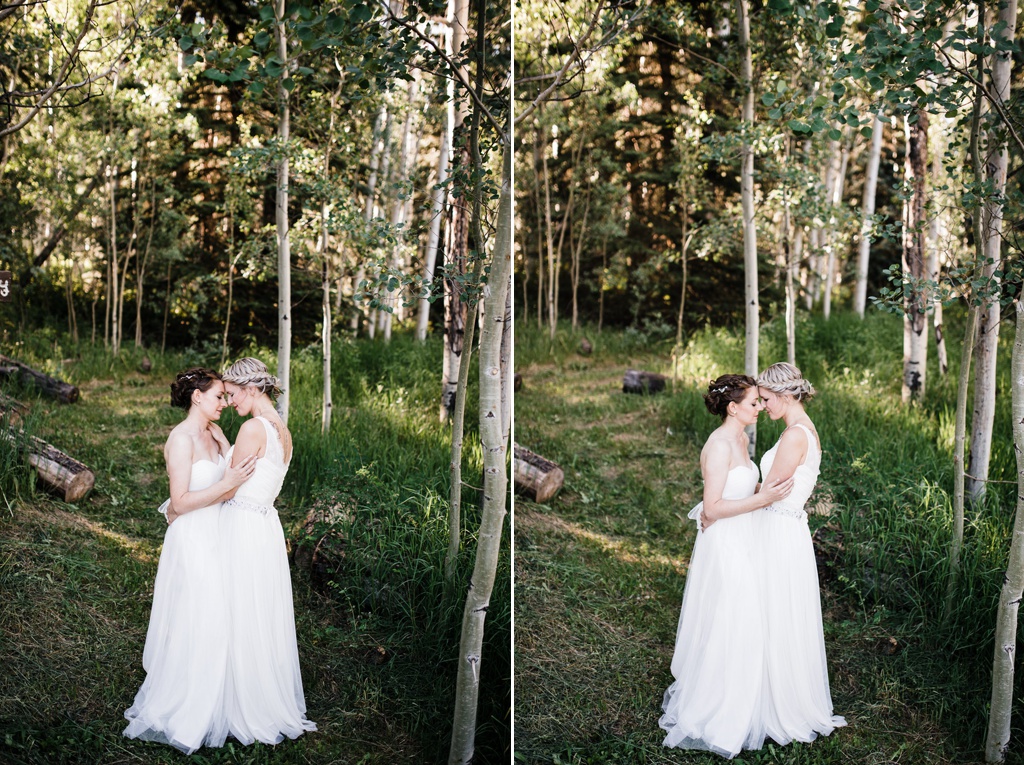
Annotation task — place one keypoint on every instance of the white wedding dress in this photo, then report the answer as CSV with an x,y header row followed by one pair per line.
x,y
800,703
264,700
181,701
717,701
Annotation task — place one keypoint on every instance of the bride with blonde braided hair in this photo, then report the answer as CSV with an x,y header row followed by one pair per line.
x,y
799,698
263,698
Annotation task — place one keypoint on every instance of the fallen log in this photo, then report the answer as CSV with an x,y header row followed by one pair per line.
x,y
62,391
536,478
60,473
12,411
636,381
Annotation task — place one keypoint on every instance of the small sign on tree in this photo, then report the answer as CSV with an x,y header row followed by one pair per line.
x,y
5,286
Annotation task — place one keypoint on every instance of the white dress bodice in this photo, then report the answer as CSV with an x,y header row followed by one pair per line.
x,y
804,479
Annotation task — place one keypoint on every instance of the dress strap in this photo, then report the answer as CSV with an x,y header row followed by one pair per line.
x,y
811,437
273,437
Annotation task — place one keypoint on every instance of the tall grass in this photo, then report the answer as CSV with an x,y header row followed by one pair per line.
x,y
378,635
889,470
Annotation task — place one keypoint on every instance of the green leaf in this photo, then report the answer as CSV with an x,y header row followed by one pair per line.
x,y
775,114
866,131
288,84
185,42
216,75
267,13
768,99
838,89
834,29
834,134
822,11
190,59
255,88
361,13
261,40
798,127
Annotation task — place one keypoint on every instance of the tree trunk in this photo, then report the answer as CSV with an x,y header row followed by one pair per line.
x,y
827,232
141,265
115,324
970,338
284,259
934,269
328,404
1013,582
380,129
495,493
576,253
790,261
915,316
167,311
750,358
988,338
860,291
438,196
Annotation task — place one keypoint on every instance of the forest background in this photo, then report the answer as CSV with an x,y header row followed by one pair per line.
x,y
726,185
188,183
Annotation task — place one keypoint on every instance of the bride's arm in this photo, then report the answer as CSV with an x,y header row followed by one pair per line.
x,y
715,470
250,445
790,454
179,453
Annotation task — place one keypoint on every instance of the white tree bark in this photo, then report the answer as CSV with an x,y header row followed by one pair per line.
x,y
934,268
438,197
915,317
860,292
494,440
998,739
988,338
750,359
284,259
376,150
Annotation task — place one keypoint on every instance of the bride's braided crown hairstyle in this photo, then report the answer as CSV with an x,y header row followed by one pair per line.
x,y
188,381
786,379
250,372
726,390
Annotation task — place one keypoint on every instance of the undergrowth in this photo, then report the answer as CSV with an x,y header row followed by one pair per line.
x,y
378,637
600,569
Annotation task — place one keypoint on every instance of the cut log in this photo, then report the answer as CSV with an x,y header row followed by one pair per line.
x,y
636,381
64,475
12,411
536,478
62,391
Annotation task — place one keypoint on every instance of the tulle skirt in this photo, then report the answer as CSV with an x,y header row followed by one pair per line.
x,y
717,702
800,702
181,701
264,700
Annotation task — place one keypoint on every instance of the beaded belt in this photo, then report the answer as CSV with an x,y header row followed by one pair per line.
x,y
245,504
789,512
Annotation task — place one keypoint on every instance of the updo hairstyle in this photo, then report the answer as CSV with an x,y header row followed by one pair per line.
x,y
252,373
785,379
189,381
727,389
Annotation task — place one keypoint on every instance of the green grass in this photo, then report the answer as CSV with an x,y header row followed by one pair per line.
x,y
377,635
600,569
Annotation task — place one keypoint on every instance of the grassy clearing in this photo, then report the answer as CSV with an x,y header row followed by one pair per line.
x,y
377,642
600,570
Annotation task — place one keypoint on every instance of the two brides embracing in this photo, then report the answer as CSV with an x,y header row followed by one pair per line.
x,y
749,660
221,656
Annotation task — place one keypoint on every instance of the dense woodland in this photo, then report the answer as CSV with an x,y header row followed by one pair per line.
x,y
750,164
196,181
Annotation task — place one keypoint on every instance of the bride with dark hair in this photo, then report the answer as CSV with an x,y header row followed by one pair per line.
x,y
185,657
717,700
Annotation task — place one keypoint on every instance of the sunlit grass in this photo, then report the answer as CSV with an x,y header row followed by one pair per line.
x,y
377,640
601,568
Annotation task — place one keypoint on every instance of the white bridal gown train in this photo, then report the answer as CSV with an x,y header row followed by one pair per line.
x,y
717,700
800,700
181,701
264,698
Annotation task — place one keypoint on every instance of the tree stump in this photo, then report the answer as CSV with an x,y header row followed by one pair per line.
x,y
636,381
60,473
585,347
517,382
62,391
146,365
536,478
